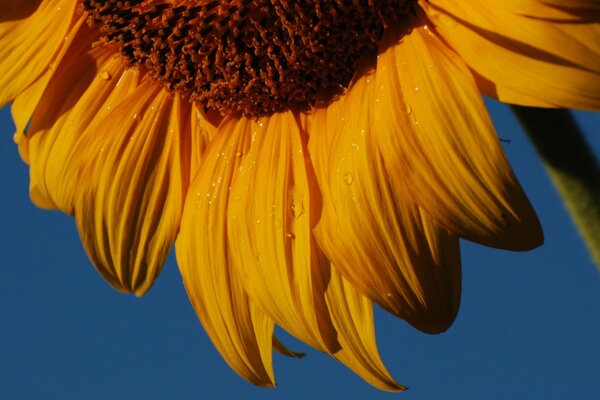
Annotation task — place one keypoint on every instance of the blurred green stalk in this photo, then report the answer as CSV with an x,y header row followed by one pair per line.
x,y
571,165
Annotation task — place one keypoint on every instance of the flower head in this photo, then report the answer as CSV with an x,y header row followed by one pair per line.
x,y
309,158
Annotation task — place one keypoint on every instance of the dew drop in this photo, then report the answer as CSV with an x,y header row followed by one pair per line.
x,y
104,74
238,154
290,235
276,222
348,179
408,109
198,201
296,209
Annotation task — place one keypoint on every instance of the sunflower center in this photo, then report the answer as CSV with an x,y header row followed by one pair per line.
x,y
253,57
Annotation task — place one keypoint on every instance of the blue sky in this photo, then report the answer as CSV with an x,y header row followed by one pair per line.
x,y
527,329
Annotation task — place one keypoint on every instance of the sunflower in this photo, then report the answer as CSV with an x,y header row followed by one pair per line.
x,y
307,158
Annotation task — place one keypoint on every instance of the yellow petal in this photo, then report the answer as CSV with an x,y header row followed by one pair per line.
x,y
370,228
282,349
554,10
240,332
352,315
77,95
131,186
29,44
203,130
531,61
77,41
269,225
435,134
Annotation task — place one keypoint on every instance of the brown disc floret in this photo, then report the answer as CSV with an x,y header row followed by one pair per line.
x,y
253,57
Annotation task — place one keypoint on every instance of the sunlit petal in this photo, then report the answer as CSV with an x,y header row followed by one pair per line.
x,y
548,63
23,56
444,148
378,239
240,332
78,94
352,315
269,219
130,192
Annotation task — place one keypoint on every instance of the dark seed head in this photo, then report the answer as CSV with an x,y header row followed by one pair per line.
x,y
253,57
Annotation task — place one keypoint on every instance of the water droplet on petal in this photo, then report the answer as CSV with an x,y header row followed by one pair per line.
x,y
104,74
348,179
296,209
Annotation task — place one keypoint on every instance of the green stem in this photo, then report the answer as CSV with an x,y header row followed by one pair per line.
x,y
571,166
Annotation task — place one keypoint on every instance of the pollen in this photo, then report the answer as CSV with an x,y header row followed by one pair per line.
x,y
248,57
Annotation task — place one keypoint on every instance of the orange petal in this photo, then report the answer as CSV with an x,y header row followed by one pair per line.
x,y
370,229
435,134
131,186
83,90
282,349
239,331
530,60
76,43
352,315
269,225
553,10
23,55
